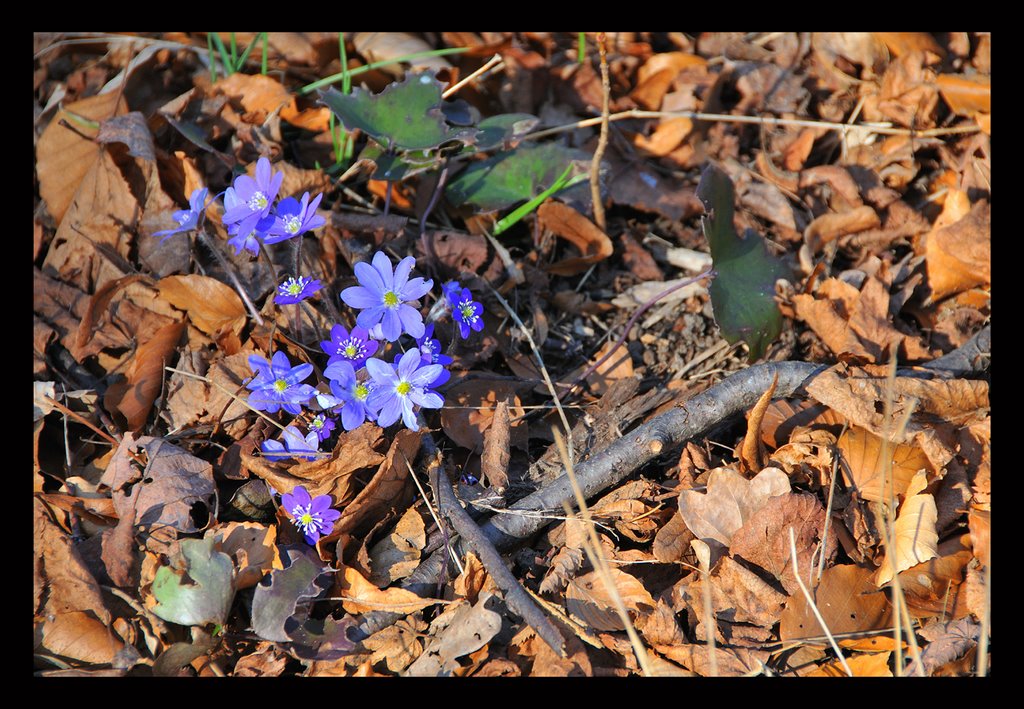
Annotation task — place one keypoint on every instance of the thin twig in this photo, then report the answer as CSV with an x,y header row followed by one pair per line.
x,y
491,63
602,141
430,509
768,120
86,422
813,606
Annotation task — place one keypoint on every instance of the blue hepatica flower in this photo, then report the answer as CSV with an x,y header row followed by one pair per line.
x,y
322,425
294,218
295,290
249,240
292,445
451,290
349,393
468,313
430,352
383,296
253,198
397,389
313,516
354,347
187,219
277,385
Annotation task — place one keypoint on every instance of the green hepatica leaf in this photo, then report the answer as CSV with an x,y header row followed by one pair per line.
x,y
509,178
742,294
407,115
199,593
504,130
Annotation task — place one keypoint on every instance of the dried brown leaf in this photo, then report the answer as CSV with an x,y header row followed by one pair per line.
x,y
959,256
589,600
361,596
751,454
731,499
863,472
461,630
63,157
212,306
847,600
134,396
496,455
764,538
396,556
914,535
592,243
387,489
252,547
470,410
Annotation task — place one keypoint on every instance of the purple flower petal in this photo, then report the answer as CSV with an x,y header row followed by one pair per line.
x,y
382,264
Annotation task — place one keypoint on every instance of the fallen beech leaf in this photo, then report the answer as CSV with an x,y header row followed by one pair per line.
x,y
859,395
212,306
764,538
936,587
731,499
397,555
173,484
847,601
729,662
496,455
829,227
355,450
70,616
593,244
398,645
618,366
751,455
862,451
460,630
672,541
738,595
966,93
588,599
361,596
63,157
473,579
666,137
915,537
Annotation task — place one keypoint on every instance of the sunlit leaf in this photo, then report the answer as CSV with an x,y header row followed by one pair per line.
x,y
199,590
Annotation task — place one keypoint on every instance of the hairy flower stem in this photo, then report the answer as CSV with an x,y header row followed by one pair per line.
x,y
230,271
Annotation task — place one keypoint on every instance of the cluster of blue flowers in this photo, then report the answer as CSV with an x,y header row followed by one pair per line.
x,y
363,387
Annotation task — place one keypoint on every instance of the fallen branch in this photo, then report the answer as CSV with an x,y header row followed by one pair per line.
x,y
514,525
515,596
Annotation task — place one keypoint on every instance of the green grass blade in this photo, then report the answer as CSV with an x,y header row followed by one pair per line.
x,y
581,46
240,62
224,58
563,182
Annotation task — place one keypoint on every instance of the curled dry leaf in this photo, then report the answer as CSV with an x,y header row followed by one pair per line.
x,y
589,600
70,615
398,645
361,596
593,244
387,489
859,395
496,455
915,537
738,595
396,556
252,548
752,453
354,451
870,665
959,256
731,499
133,397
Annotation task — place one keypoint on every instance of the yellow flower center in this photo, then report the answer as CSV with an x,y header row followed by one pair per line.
x,y
306,519
391,299
361,392
280,386
403,388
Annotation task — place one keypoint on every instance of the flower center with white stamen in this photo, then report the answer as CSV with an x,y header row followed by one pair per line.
x,y
292,224
391,299
360,392
351,348
258,202
280,386
468,311
293,287
403,388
